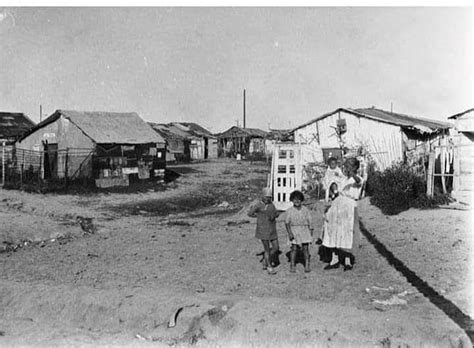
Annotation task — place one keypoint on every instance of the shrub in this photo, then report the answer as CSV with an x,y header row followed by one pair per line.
x,y
396,189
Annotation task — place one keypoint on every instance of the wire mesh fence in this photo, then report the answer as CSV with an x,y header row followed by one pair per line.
x,y
53,169
101,167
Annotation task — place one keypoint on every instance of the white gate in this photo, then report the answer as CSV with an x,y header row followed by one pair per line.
x,y
286,173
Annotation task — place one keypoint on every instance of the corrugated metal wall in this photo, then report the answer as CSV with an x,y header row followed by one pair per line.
x,y
383,141
66,135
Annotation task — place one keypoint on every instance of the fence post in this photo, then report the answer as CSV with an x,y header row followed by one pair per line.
x,y
3,163
66,166
443,164
430,178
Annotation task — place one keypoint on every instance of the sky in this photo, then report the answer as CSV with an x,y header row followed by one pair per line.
x,y
192,64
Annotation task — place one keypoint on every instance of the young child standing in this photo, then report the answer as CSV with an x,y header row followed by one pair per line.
x,y
266,215
299,226
332,178
341,225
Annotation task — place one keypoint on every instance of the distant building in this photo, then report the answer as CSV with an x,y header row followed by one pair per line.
x,y
177,146
13,125
187,141
111,148
463,183
275,136
203,144
243,141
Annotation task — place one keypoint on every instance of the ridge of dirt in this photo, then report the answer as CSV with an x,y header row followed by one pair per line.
x,y
141,315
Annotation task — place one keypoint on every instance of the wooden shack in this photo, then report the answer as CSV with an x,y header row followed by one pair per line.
x,y
385,136
242,141
109,147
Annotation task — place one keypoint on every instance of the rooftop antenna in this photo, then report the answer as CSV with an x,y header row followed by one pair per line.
x,y
41,112
244,108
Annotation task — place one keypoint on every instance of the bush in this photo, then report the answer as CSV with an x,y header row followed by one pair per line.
x,y
396,189
425,202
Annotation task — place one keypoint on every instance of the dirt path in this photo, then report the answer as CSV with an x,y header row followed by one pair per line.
x,y
145,258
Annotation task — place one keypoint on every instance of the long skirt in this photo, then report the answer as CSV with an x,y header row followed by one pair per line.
x,y
341,225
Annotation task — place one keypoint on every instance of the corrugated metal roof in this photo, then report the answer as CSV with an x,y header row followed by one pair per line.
x,y
421,124
108,127
461,114
403,120
194,129
278,134
243,132
165,132
14,124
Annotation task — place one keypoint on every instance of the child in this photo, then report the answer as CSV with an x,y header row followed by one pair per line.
x,y
341,231
266,214
300,229
333,176
323,252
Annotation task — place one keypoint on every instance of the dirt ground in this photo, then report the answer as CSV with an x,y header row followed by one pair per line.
x,y
112,269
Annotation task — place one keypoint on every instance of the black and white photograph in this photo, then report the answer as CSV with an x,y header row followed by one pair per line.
x,y
236,175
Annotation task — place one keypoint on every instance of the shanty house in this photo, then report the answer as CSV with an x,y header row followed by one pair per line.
x,y
202,144
111,148
275,136
177,146
243,141
12,127
463,182
386,137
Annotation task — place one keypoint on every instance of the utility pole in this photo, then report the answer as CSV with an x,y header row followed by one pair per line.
x,y
244,108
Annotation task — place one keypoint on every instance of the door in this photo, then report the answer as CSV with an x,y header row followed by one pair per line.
x,y
50,160
286,173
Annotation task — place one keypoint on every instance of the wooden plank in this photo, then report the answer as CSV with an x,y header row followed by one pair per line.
x,y
443,166
456,165
430,181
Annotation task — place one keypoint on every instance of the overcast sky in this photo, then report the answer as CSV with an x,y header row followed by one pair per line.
x,y
192,64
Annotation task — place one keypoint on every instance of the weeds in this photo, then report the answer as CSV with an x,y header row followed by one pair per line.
x,y
399,188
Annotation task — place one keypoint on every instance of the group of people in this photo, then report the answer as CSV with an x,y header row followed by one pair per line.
x,y
339,234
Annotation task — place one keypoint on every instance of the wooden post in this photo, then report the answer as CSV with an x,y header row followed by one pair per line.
x,y
66,166
430,178
443,164
3,163
456,165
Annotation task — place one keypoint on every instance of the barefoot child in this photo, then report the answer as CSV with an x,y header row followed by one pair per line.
x,y
341,225
266,214
300,229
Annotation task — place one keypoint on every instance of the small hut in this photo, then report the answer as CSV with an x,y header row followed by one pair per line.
x,y
243,141
12,127
177,146
203,144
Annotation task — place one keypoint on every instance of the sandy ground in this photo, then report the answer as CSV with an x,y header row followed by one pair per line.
x,y
111,269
